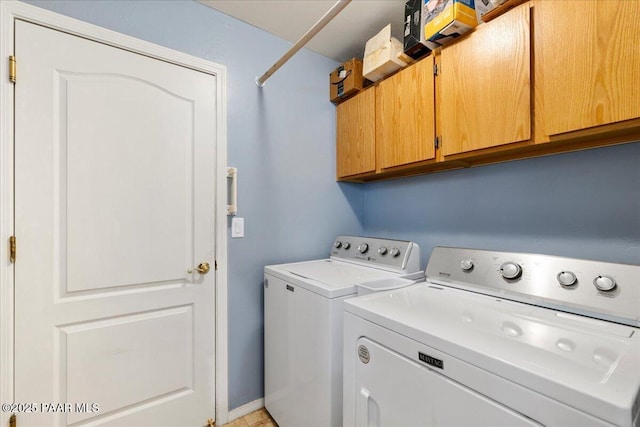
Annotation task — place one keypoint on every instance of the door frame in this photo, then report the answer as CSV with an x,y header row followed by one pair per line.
x,y
10,11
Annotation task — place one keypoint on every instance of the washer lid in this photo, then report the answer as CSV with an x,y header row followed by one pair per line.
x,y
328,277
589,364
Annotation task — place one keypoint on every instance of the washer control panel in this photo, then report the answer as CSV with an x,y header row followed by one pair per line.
x,y
598,289
393,254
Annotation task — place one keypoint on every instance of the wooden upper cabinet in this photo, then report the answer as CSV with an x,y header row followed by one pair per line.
x,y
355,139
485,85
587,63
405,116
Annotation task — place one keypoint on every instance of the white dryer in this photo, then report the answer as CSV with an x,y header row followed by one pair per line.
x,y
303,312
497,339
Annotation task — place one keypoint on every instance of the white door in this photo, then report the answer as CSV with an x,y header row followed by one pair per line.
x,y
114,201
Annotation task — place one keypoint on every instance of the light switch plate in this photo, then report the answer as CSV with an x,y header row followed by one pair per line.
x,y
237,227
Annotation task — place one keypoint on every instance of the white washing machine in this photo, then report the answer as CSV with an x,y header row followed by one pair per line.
x,y
303,312
497,339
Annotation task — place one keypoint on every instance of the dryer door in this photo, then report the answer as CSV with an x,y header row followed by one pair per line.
x,y
393,390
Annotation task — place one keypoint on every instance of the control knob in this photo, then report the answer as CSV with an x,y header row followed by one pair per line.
x,y
382,250
394,252
567,278
363,248
604,283
346,245
510,270
466,264
337,244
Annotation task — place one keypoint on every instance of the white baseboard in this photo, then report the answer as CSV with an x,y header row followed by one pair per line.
x,y
245,409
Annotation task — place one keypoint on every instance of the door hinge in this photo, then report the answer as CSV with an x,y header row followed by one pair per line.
x,y
435,69
12,421
436,142
12,248
12,69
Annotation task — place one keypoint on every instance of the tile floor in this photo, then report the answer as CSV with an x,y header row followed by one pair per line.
x,y
259,418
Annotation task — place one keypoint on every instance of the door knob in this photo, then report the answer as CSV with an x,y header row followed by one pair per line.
x,y
202,268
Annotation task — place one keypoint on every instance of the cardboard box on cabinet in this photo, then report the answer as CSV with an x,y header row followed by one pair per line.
x,y
414,42
345,81
446,20
484,6
381,55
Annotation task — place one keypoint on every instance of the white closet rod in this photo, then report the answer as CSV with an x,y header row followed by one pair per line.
x,y
335,9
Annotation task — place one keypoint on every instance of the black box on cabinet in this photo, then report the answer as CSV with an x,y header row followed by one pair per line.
x,y
414,42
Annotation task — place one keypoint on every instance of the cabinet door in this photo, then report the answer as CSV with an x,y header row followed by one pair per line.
x,y
587,66
485,82
355,139
405,116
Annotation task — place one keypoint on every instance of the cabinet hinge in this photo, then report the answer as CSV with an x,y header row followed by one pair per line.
x,y
12,421
436,142
12,69
12,248
435,69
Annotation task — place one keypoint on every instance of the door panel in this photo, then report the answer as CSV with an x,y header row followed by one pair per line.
x,y
355,135
587,63
83,346
115,179
486,85
405,116
100,158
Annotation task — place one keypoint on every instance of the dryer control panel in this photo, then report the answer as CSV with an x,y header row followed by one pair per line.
x,y
396,255
597,289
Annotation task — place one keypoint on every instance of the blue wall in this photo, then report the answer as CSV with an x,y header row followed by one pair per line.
x,y
282,140
584,205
